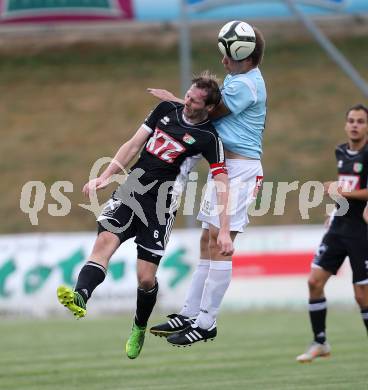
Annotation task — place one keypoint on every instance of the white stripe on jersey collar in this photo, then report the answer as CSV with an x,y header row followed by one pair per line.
x,y
187,121
352,152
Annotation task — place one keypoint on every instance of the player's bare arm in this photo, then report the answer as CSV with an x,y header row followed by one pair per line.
x,y
164,95
219,111
356,194
334,188
224,240
123,157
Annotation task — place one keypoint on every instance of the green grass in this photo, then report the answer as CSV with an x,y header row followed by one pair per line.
x,y
254,350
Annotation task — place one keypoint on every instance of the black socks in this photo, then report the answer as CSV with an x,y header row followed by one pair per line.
x,y
364,313
317,314
146,301
90,276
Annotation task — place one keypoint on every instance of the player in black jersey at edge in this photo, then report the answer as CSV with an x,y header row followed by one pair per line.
x,y
144,206
347,233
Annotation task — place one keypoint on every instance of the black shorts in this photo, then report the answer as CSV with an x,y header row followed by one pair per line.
x,y
333,250
142,217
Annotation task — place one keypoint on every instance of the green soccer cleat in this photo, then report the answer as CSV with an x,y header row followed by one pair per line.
x,y
135,342
72,300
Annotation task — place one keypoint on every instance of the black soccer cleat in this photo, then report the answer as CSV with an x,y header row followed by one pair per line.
x,y
176,323
192,334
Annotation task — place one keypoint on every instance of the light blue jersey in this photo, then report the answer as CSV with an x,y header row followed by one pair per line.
x,y
242,130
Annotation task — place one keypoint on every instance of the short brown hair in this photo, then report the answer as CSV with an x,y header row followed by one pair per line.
x,y
257,55
209,82
357,107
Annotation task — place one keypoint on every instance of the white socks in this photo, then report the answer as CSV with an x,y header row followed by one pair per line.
x,y
195,290
217,282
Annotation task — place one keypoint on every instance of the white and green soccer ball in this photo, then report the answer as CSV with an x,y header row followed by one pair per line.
x,y
237,40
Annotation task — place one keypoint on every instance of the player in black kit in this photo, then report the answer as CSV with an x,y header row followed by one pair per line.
x,y
145,205
347,233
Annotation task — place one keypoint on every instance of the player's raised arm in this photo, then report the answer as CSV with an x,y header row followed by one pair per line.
x,y
164,95
361,194
123,157
224,240
214,154
219,111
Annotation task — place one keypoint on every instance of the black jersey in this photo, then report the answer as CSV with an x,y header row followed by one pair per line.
x,y
173,140
353,174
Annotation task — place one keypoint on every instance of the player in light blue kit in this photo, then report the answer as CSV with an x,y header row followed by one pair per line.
x,y
240,121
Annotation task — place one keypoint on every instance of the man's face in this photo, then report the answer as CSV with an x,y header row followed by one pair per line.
x,y
230,65
356,126
194,104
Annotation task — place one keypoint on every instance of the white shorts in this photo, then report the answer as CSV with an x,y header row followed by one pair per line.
x,y
245,179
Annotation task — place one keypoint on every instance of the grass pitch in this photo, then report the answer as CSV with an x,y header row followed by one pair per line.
x,y
254,350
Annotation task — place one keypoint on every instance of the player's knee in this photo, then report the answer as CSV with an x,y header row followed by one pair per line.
x,y
315,284
146,282
361,298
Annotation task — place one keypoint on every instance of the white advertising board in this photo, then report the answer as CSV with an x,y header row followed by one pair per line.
x,y
271,265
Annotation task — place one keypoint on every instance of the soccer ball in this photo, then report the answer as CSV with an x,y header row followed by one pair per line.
x,y
236,40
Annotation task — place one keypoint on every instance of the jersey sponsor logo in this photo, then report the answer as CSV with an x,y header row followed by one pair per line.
x,y
164,147
259,181
357,167
349,182
340,163
165,120
188,139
